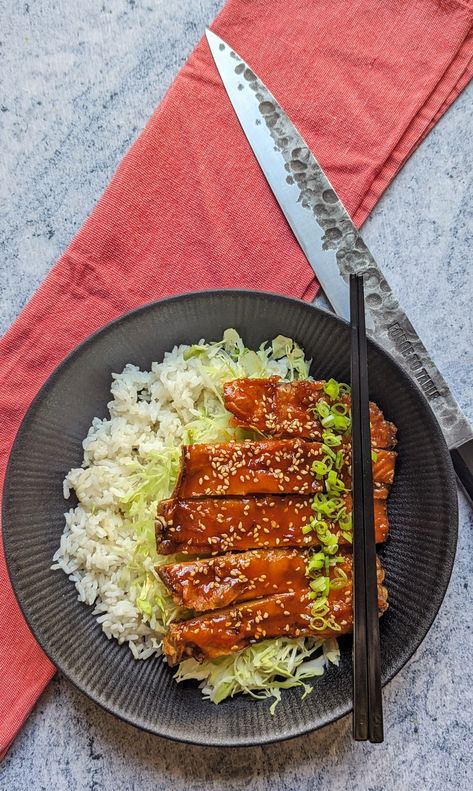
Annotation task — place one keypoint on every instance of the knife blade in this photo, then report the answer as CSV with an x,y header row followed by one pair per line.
x,y
332,244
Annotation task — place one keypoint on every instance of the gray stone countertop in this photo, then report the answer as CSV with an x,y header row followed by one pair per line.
x,y
80,79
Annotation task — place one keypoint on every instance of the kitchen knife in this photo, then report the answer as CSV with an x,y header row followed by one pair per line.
x,y
332,244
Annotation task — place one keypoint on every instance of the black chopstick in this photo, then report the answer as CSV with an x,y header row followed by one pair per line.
x,y
360,674
367,699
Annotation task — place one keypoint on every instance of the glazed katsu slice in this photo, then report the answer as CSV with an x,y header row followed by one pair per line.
x,y
383,467
215,525
275,407
286,409
273,466
227,631
218,582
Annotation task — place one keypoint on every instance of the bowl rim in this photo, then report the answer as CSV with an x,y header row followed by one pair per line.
x,y
23,428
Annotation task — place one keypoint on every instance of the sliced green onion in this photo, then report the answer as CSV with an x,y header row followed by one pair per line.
x,y
331,439
315,562
330,520
320,606
328,450
336,416
332,388
345,521
328,421
319,584
322,409
332,549
306,529
338,559
340,580
326,504
340,422
332,478
333,484
337,584
322,467
318,623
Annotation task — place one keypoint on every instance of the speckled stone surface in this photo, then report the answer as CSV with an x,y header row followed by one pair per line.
x,y
79,82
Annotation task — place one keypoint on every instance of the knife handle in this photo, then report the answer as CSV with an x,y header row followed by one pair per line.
x,y
462,458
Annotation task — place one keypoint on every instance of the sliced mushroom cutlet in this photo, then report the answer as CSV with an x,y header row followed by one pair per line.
x,y
232,629
211,583
221,524
288,409
277,466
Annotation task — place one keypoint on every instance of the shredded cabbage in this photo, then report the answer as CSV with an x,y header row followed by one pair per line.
x,y
150,483
264,669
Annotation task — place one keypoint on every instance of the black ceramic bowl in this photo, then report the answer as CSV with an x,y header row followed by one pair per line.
x,y
418,557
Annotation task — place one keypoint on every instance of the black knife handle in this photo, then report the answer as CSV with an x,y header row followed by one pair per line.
x,y
462,458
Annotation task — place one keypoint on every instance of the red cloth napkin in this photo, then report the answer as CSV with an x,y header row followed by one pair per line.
x,y
364,81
